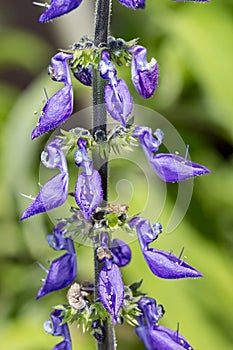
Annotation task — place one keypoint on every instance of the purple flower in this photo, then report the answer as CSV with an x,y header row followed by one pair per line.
x,y
173,168
88,190
59,107
111,290
146,233
133,4
56,328
151,312
63,270
62,273
161,263
57,8
166,265
149,143
84,75
169,167
154,336
144,74
118,100
121,252
54,193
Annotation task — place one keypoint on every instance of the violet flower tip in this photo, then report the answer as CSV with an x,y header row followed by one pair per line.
x,y
35,133
23,217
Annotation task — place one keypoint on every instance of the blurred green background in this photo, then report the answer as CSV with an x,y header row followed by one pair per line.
x,y
193,44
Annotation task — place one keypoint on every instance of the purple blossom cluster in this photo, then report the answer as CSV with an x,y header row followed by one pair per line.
x,y
118,100
97,218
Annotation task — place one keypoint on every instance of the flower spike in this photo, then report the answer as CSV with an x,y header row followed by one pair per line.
x,y
54,193
59,107
57,8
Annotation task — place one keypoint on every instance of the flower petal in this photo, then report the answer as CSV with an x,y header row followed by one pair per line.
x,y
55,112
59,69
173,168
84,75
55,191
144,74
57,328
81,156
151,312
166,335
52,195
58,240
133,4
88,192
58,8
111,290
118,101
146,233
121,252
161,337
148,142
62,273
167,265
54,157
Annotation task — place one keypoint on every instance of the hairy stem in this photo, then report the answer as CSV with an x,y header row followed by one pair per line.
x,y
102,19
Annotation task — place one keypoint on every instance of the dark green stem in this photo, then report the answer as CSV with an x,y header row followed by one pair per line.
x,y
102,19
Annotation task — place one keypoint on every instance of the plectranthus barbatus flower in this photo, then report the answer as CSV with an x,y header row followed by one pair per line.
x,y
57,8
88,190
110,285
144,75
57,328
54,192
118,100
169,167
59,107
63,270
162,264
157,337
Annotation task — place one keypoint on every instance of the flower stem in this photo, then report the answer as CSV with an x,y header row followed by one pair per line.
x,y
102,20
